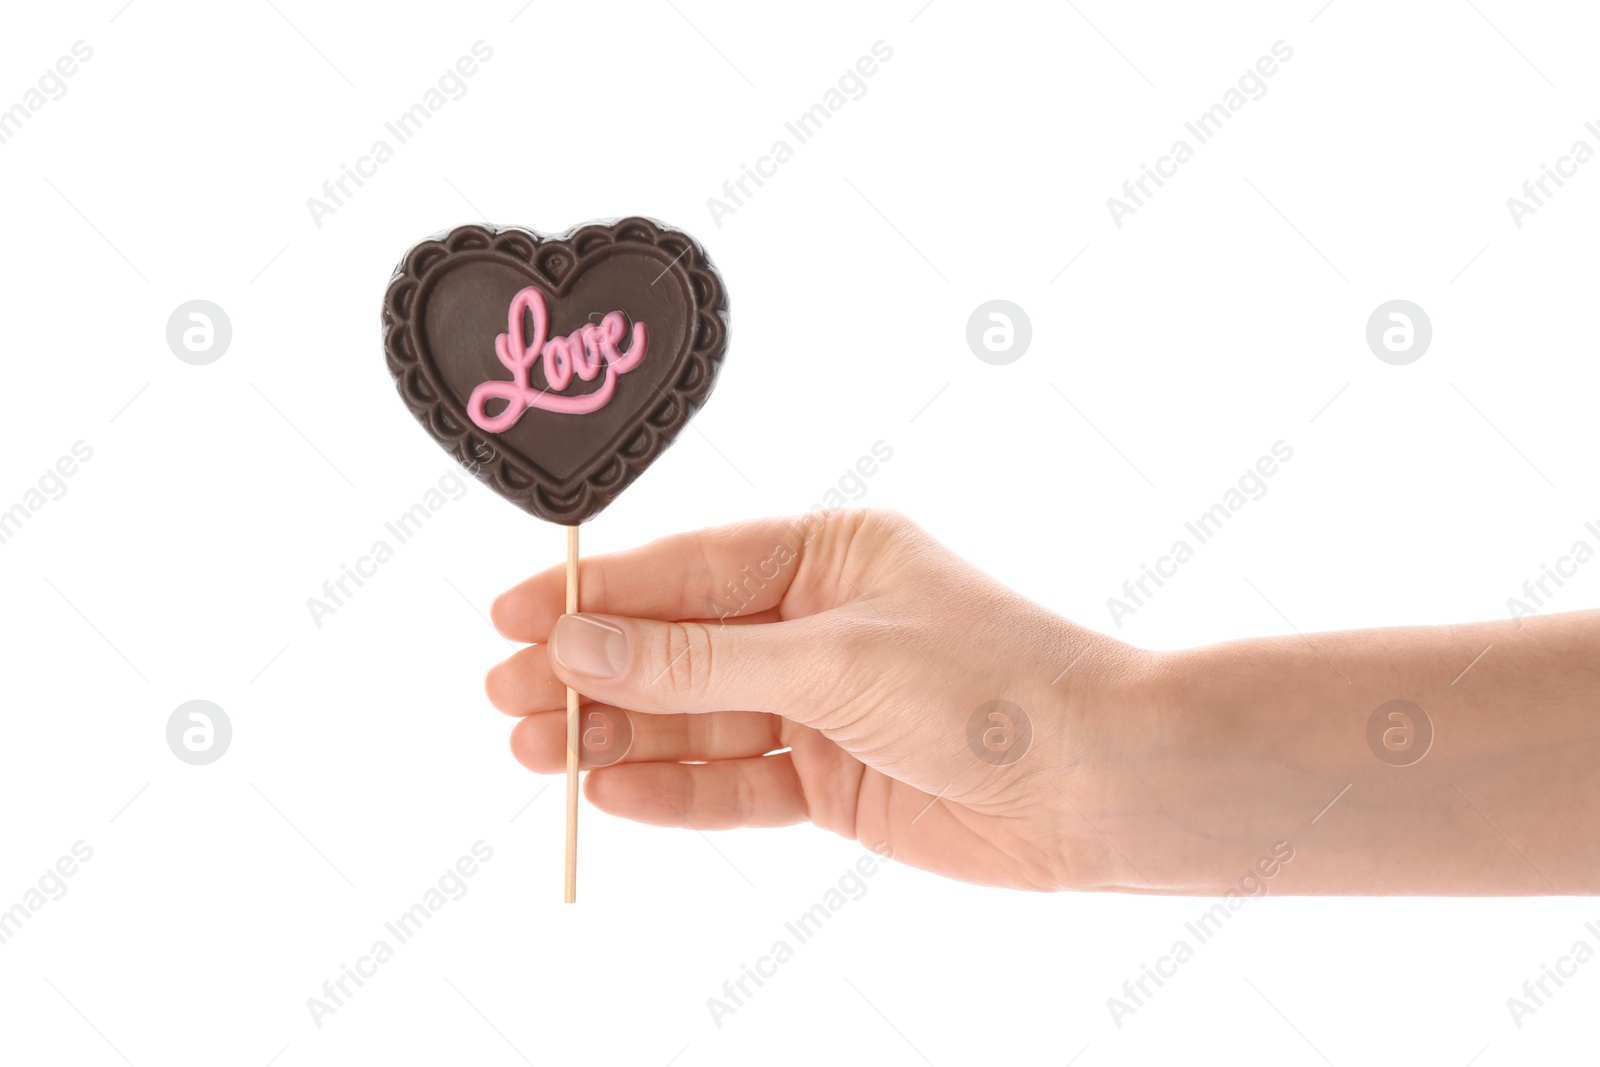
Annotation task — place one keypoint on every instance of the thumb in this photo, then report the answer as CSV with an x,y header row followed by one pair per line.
x,y
664,667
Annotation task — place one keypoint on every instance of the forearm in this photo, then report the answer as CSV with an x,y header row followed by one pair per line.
x,y
1267,741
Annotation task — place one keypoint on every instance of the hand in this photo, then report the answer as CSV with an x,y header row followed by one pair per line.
x,y
834,669
842,670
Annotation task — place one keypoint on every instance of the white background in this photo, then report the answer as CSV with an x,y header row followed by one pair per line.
x,y
1222,317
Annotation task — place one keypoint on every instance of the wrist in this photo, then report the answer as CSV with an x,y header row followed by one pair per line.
x,y
1194,774
1120,745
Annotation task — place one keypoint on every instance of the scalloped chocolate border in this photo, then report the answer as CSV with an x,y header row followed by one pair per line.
x,y
551,258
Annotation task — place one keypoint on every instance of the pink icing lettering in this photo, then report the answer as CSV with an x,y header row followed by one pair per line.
x,y
584,353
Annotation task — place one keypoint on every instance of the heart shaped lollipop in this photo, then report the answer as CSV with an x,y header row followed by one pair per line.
x,y
556,368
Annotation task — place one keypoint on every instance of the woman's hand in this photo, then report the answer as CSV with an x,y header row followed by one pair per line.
x,y
845,669
855,673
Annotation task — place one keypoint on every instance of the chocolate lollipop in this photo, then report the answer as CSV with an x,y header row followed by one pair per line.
x,y
557,369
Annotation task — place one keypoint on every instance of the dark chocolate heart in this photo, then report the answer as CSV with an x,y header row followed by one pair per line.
x,y
600,396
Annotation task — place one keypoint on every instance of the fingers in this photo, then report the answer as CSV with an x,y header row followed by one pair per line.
x,y
525,683
763,791
539,741
707,574
656,667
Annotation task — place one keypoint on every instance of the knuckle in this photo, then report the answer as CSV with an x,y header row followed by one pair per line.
x,y
683,658
687,798
699,732
856,659
855,541
743,801
885,523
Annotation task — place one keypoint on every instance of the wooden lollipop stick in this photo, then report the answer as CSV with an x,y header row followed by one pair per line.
x,y
572,731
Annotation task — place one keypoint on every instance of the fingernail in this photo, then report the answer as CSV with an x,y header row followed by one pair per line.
x,y
586,645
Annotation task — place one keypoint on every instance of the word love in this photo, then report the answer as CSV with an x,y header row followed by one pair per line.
x,y
588,350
